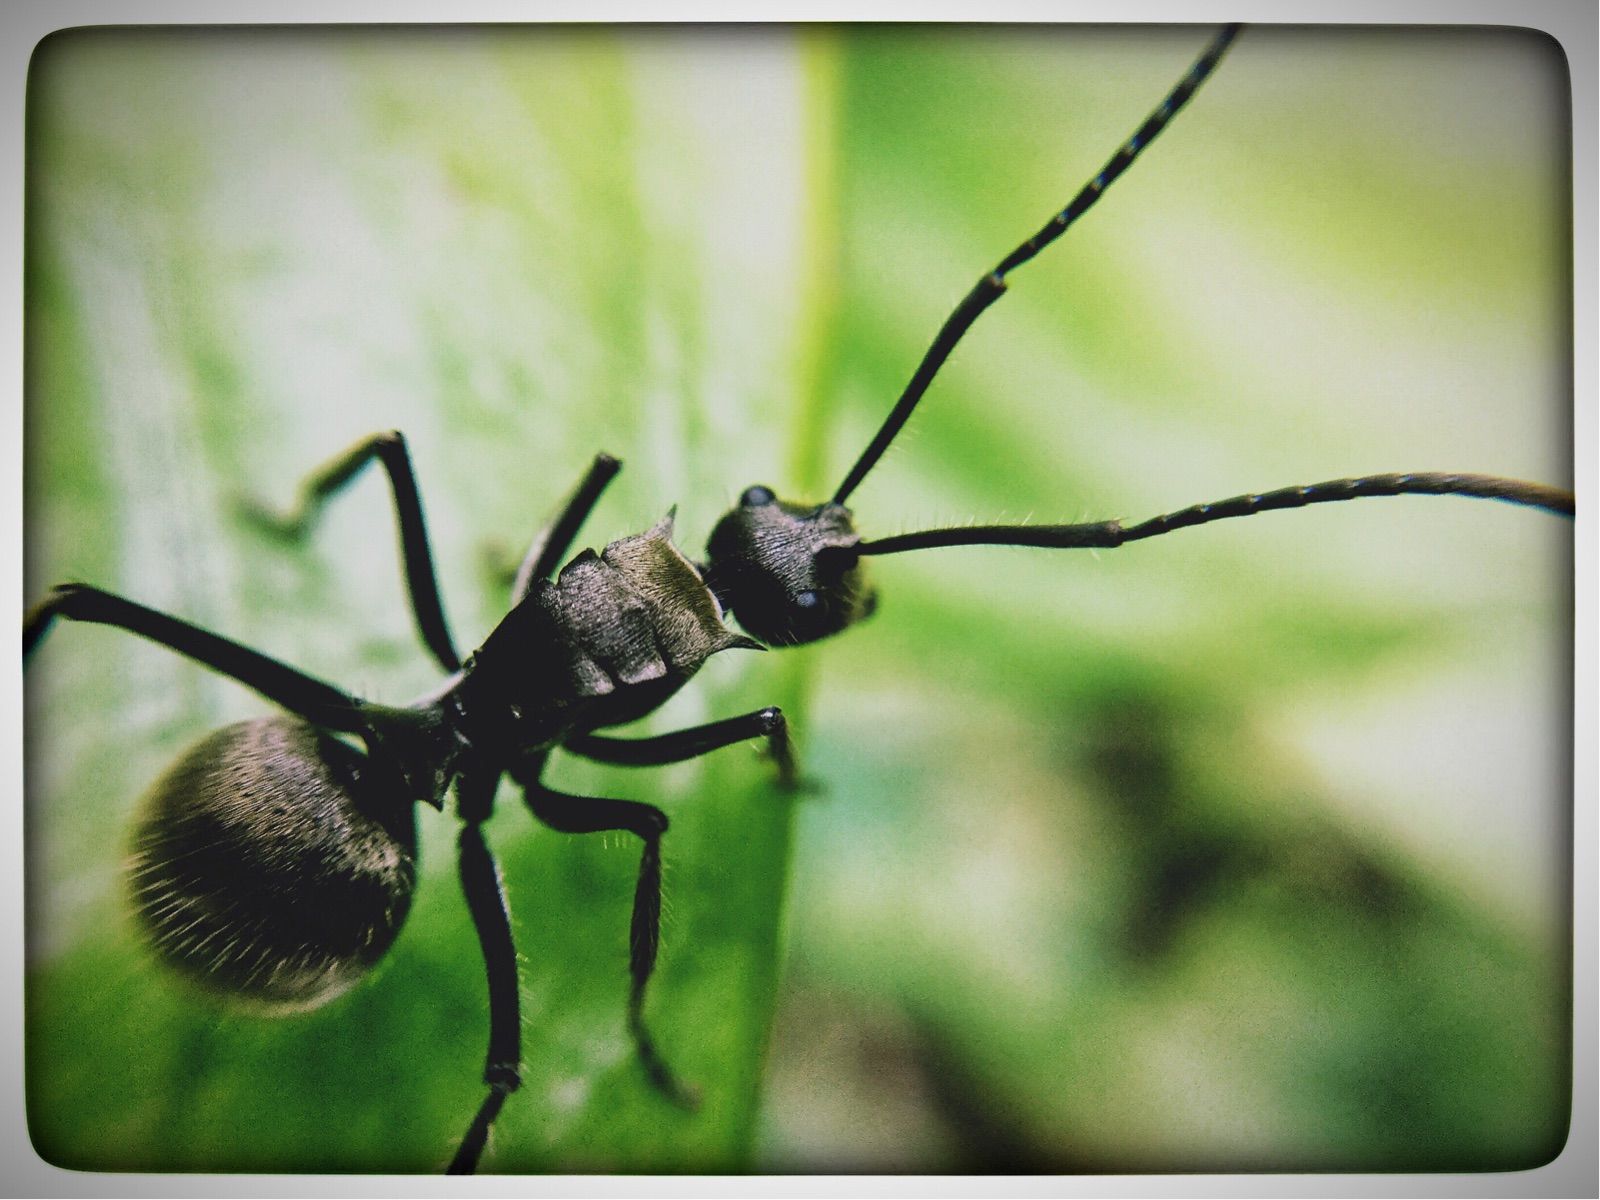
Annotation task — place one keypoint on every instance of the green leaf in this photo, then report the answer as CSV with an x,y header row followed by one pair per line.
x,y
1242,849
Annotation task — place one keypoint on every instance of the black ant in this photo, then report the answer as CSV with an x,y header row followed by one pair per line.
x,y
273,860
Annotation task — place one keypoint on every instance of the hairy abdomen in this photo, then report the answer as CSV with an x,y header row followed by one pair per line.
x,y
271,865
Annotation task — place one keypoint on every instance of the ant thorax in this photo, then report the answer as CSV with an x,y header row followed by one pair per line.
x,y
606,641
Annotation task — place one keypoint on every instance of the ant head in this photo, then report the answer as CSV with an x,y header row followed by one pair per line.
x,y
789,573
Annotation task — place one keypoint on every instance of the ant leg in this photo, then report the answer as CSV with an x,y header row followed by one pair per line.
x,y
333,477
550,546
690,743
480,881
316,701
582,814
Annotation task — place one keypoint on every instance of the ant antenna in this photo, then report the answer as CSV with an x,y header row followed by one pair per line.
x,y
1106,535
993,285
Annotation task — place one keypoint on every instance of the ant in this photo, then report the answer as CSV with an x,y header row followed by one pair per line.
x,y
313,807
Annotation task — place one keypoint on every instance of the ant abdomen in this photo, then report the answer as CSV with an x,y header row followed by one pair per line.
x,y
269,864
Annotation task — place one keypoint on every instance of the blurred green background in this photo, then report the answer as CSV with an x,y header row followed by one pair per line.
x,y
1244,849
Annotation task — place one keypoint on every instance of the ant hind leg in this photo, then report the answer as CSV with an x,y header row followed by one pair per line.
x,y
480,881
306,696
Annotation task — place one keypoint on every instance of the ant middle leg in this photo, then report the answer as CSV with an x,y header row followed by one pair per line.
x,y
684,744
389,449
583,814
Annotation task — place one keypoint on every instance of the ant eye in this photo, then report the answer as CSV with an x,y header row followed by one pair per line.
x,y
807,600
756,496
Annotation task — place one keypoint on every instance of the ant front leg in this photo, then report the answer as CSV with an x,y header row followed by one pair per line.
x,y
551,544
583,814
480,882
690,743
327,481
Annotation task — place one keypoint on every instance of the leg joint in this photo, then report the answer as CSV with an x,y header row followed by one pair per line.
x,y
503,1077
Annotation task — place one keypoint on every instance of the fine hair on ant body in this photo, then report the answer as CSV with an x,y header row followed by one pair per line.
x,y
275,861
